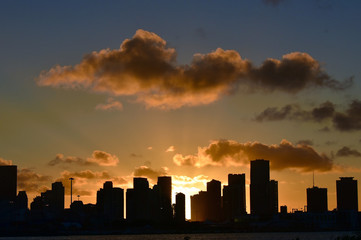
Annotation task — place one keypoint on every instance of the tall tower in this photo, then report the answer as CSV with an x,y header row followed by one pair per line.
x,y
347,199
180,206
317,200
214,200
165,198
110,202
274,196
234,196
8,182
260,187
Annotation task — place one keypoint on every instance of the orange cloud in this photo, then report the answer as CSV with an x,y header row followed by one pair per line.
x,y
170,149
84,179
100,158
145,68
111,105
4,162
300,157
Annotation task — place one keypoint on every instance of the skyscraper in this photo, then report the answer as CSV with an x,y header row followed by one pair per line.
x,y
138,204
165,198
317,200
180,205
234,196
8,182
213,203
110,202
274,196
347,198
260,187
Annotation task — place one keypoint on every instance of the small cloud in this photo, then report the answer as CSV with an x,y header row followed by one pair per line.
x,y
111,105
305,142
170,149
149,148
347,152
4,162
134,155
145,171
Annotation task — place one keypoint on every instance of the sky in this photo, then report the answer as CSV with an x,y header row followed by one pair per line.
x,y
111,90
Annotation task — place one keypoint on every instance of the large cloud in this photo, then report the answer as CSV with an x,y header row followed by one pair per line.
x,y
145,68
100,158
349,120
31,181
283,156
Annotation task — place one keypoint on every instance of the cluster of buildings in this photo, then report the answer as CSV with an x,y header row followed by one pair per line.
x,y
145,204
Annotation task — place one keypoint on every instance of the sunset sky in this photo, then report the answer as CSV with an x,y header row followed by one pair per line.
x,y
109,90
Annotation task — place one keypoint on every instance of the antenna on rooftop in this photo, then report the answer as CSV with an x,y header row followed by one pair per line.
x,y
313,179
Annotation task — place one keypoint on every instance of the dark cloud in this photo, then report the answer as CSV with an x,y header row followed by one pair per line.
x,y
145,68
349,120
303,158
290,112
30,181
347,152
99,158
134,155
305,142
145,171
325,111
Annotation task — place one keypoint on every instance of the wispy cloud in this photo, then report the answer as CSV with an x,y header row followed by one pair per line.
x,y
145,68
100,158
4,162
348,152
348,120
111,105
170,149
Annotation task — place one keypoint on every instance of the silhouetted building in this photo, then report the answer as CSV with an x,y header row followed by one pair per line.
x,y
21,201
110,202
260,187
274,196
139,200
284,209
199,206
347,198
180,208
234,196
165,198
317,200
57,196
8,182
214,202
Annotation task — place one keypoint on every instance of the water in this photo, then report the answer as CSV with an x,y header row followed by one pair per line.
x,y
218,236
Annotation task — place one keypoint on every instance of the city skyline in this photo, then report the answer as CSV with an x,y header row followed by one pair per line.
x,y
112,91
218,202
